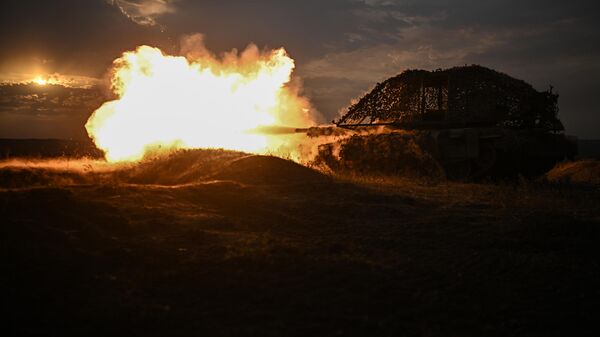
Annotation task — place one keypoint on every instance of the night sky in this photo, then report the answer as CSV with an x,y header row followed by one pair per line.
x,y
342,48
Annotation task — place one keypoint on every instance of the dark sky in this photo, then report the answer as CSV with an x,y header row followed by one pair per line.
x,y
341,47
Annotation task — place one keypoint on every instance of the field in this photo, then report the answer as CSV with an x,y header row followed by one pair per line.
x,y
217,243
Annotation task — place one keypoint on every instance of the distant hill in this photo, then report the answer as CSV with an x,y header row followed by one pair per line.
x,y
47,148
52,148
589,148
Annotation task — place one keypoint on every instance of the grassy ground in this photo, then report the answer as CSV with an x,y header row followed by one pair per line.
x,y
220,244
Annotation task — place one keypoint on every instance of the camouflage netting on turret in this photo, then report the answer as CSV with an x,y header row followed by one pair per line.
x,y
468,95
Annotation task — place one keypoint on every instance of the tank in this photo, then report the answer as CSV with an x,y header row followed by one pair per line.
x,y
472,120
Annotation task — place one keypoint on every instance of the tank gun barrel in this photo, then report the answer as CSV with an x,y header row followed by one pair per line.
x,y
313,131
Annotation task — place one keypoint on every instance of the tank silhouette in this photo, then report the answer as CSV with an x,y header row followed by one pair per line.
x,y
473,120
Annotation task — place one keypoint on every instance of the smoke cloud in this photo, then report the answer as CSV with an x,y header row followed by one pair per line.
x,y
144,12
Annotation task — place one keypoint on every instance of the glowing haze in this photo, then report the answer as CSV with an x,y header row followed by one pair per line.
x,y
198,101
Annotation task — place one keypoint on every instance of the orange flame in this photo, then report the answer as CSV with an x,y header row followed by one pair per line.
x,y
173,101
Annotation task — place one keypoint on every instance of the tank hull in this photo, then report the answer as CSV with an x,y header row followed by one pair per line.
x,y
462,153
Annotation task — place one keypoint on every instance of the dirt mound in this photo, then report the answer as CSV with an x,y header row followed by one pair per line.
x,y
189,166
582,172
176,168
267,170
179,167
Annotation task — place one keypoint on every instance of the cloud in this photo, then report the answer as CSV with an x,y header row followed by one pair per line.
x,y
48,111
31,98
339,76
415,48
144,12
66,80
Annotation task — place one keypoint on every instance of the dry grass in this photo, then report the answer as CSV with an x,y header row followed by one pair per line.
x,y
581,172
222,244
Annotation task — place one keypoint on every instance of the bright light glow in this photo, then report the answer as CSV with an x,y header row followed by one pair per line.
x,y
39,80
172,101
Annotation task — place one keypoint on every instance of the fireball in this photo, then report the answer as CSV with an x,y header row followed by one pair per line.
x,y
165,101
